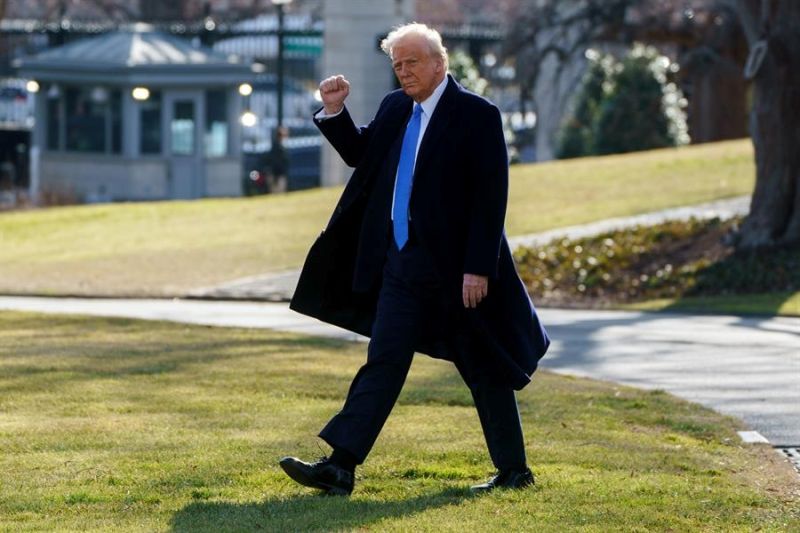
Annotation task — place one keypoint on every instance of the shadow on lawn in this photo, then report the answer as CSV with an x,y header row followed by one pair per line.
x,y
749,283
766,304
305,513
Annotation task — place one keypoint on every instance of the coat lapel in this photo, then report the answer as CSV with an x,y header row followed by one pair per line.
x,y
397,117
388,129
438,124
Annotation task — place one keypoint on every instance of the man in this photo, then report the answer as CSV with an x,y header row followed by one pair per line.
x,y
414,256
279,161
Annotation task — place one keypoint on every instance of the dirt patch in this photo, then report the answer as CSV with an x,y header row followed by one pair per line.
x,y
774,473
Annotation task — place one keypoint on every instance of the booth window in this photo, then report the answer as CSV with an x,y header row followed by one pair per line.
x,y
116,122
91,125
150,137
216,140
53,119
182,127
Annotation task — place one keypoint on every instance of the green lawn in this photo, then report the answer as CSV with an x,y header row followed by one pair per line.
x,y
785,304
168,248
563,193
123,425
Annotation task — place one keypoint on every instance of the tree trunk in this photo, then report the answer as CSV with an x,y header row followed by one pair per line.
x,y
717,92
774,218
717,105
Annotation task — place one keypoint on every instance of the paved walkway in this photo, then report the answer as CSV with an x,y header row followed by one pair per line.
x,y
745,367
278,287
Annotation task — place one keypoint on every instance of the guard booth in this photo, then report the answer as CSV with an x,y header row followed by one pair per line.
x,y
137,114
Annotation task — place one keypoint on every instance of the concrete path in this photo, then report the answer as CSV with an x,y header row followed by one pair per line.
x,y
279,286
745,367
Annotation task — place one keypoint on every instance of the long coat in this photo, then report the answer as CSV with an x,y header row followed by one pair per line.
x,y
457,211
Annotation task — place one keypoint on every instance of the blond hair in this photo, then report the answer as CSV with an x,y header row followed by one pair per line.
x,y
433,38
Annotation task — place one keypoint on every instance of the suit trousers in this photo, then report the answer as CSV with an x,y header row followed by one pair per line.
x,y
409,305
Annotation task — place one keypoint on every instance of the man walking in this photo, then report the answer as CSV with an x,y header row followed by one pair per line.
x,y
414,256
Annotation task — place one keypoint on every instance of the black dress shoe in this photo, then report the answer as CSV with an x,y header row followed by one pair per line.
x,y
323,475
506,479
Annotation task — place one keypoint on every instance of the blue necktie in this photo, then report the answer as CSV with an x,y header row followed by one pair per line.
x,y
405,175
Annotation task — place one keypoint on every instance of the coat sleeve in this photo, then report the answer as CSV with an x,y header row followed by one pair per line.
x,y
346,138
349,140
488,193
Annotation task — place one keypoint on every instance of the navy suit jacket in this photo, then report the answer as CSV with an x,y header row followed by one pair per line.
x,y
457,210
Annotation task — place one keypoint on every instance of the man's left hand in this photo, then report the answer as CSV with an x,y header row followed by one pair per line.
x,y
474,290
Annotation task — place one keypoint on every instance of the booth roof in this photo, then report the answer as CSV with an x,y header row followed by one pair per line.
x,y
137,49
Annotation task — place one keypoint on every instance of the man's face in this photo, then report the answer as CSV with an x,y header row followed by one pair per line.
x,y
417,70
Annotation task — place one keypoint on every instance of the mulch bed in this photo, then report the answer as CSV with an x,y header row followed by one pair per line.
x,y
671,260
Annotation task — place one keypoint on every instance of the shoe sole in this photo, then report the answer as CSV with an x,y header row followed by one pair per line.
x,y
298,474
478,489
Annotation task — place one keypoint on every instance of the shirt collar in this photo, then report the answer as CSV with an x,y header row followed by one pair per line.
x,y
429,104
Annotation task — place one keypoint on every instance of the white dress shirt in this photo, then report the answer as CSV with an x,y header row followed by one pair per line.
x,y
428,106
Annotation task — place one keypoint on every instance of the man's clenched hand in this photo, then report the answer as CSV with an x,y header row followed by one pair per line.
x,y
333,92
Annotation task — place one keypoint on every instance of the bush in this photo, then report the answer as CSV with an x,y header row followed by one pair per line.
x,y
466,73
625,106
577,136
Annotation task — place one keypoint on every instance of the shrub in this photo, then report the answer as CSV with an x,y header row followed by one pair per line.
x,y
625,106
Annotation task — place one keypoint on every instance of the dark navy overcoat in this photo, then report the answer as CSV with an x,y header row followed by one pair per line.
x,y
457,211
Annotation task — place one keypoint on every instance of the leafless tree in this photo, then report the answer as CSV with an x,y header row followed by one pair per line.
x,y
712,40
704,36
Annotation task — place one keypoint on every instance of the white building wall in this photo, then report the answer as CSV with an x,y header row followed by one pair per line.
x,y
147,179
352,30
108,178
131,122
224,176
103,178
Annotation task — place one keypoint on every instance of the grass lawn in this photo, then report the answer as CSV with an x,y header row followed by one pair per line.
x,y
785,304
168,248
123,425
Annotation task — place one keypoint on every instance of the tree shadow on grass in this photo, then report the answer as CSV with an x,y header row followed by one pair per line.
x,y
745,283
135,356
767,304
305,513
